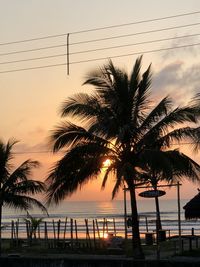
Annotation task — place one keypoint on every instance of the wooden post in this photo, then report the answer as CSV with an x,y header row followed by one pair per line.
x,y
146,221
87,233
76,232
125,215
27,231
179,218
97,225
104,225
54,234
192,231
65,228
12,232
17,232
46,233
71,227
114,227
64,234
39,231
94,233
58,230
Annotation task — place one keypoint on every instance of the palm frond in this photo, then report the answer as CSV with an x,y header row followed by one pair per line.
x,y
141,100
26,187
135,77
77,167
21,173
23,202
68,134
186,134
81,105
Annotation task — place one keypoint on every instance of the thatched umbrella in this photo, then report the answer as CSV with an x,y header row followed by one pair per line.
x,y
192,208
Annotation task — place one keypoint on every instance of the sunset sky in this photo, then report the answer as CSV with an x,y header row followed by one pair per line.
x,y
30,99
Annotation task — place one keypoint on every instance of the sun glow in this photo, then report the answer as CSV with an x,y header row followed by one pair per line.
x,y
104,235
106,163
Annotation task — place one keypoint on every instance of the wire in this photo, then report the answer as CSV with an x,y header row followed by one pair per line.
x,y
137,53
100,28
97,59
137,33
31,59
31,50
34,68
136,22
133,44
98,49
49,151
114,37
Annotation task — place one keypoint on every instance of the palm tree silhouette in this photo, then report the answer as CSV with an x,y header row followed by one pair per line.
x,y
183,167
15,185
117,122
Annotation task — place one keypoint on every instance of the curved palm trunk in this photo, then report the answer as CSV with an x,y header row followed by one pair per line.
x,y
158,219
136,241
0,229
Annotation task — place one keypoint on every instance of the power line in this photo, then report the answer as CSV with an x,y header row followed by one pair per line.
x,y
98,59
102,39
133,44
137,22
137,33
31,59
137,53
50,151
100,28
31,50
98,49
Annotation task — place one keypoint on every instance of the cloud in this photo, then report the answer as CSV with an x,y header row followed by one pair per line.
x,y
26,148
189,51
179,82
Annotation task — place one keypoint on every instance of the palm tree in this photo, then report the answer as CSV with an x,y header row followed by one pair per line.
x,y
183,168
117,121
33,224
15,185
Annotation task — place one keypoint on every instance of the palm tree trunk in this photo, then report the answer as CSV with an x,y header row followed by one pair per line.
x,y
0,229
158,219
136,241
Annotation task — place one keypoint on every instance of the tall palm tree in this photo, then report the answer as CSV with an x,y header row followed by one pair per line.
x,y
117,121
15,184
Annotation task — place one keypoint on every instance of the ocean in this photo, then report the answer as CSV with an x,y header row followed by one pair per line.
x,y
100,211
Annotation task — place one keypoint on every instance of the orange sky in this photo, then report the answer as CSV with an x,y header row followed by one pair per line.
x,y
30,100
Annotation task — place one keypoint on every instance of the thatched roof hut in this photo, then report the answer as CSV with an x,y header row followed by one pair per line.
x,y
192,208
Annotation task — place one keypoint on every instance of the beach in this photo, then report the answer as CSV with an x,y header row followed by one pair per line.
x,y
111,211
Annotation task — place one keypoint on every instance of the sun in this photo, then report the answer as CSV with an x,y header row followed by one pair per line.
x,y
106,163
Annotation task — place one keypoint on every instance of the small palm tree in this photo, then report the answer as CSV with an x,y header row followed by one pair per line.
x,y
33,224
117,121
16,185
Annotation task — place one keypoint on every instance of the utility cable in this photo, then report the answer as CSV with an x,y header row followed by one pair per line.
x,y
100,28
50,151
104,58
134,34
99,49
101,39
32,50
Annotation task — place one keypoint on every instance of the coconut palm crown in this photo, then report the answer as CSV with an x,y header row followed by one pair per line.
x,y
118,121
16,187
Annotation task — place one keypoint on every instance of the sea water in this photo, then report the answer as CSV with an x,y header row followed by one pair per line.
x,y
99,211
